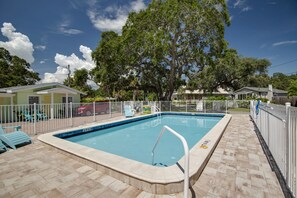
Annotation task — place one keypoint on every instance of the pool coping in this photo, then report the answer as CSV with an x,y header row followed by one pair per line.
x,y
157,180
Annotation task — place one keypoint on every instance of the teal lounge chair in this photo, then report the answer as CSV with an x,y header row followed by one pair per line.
x,y
129,112
28,116
14,138
41,116
2,146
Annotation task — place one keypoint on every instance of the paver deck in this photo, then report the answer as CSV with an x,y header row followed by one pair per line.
x,y
237,168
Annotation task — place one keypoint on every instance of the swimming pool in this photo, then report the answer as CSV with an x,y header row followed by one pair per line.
x,y
135,140
144,176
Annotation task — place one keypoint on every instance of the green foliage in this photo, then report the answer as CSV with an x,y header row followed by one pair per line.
x,y
293,88
160,45
258,80
15,71
230,71
281,81
109,71
79,82
124,95
244,104
263,99
95,99
152,96
250,98
146,109
216,98
100,93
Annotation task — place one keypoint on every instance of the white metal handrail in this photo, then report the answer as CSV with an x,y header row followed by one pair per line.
x,y
186,150
156,109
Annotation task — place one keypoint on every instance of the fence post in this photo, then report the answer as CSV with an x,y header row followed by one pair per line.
x,y
34,125
288,143
141,107
71,121
226,103
267,124
170,102
160,103
288,104
110,109
252,109
121,107
186,106
94,111
204,105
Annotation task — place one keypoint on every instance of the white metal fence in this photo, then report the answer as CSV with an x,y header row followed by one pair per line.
x,y
277,125
42,118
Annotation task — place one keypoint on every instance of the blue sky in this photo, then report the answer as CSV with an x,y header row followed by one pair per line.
x,y
52,34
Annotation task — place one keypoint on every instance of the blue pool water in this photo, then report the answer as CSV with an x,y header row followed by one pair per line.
x,y
135,140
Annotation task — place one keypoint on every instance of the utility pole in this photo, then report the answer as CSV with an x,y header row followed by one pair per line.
x,y
69,72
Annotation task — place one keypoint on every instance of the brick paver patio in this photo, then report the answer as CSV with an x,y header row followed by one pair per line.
x,y
237,168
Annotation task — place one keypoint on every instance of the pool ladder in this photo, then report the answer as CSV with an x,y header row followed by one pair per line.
x,y
157,110
186,150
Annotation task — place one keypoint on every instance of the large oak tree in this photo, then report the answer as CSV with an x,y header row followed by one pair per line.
x,y
15,71
231,71
162,45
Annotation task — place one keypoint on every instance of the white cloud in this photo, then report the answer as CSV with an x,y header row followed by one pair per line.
x,y
40,47
239,3
242,5
75,64
70,31
92,84
284,43
64,28
42,62
138,5
113,17
245,9
263,45
18,44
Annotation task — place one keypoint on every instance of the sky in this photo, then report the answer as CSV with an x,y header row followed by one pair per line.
x,y
52,34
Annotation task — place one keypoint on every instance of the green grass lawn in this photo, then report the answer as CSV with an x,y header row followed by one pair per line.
x,y
239,109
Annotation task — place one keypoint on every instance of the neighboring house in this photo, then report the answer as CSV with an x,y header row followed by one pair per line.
x,y
41,94
199,94
257,92
46,93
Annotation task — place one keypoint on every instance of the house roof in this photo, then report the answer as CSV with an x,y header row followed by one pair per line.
x,y
3,95
56,90
220,91
38,86
260,89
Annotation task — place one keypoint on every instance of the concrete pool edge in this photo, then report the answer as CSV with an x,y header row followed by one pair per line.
x,y
157,180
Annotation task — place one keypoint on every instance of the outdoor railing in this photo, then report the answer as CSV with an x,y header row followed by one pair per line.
x,y
277,125
42,118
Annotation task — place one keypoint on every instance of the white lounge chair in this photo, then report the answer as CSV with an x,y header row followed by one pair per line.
x,y
129,112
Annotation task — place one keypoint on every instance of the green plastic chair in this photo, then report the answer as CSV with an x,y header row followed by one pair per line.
x,y
14,138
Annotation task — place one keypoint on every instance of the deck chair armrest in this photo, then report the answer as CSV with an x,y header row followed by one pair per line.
x,y
12,127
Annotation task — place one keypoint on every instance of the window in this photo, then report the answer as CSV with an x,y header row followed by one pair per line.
x,y
64,99
33,99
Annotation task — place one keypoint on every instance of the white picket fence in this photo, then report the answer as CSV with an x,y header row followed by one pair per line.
x,y
42,118
277,125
